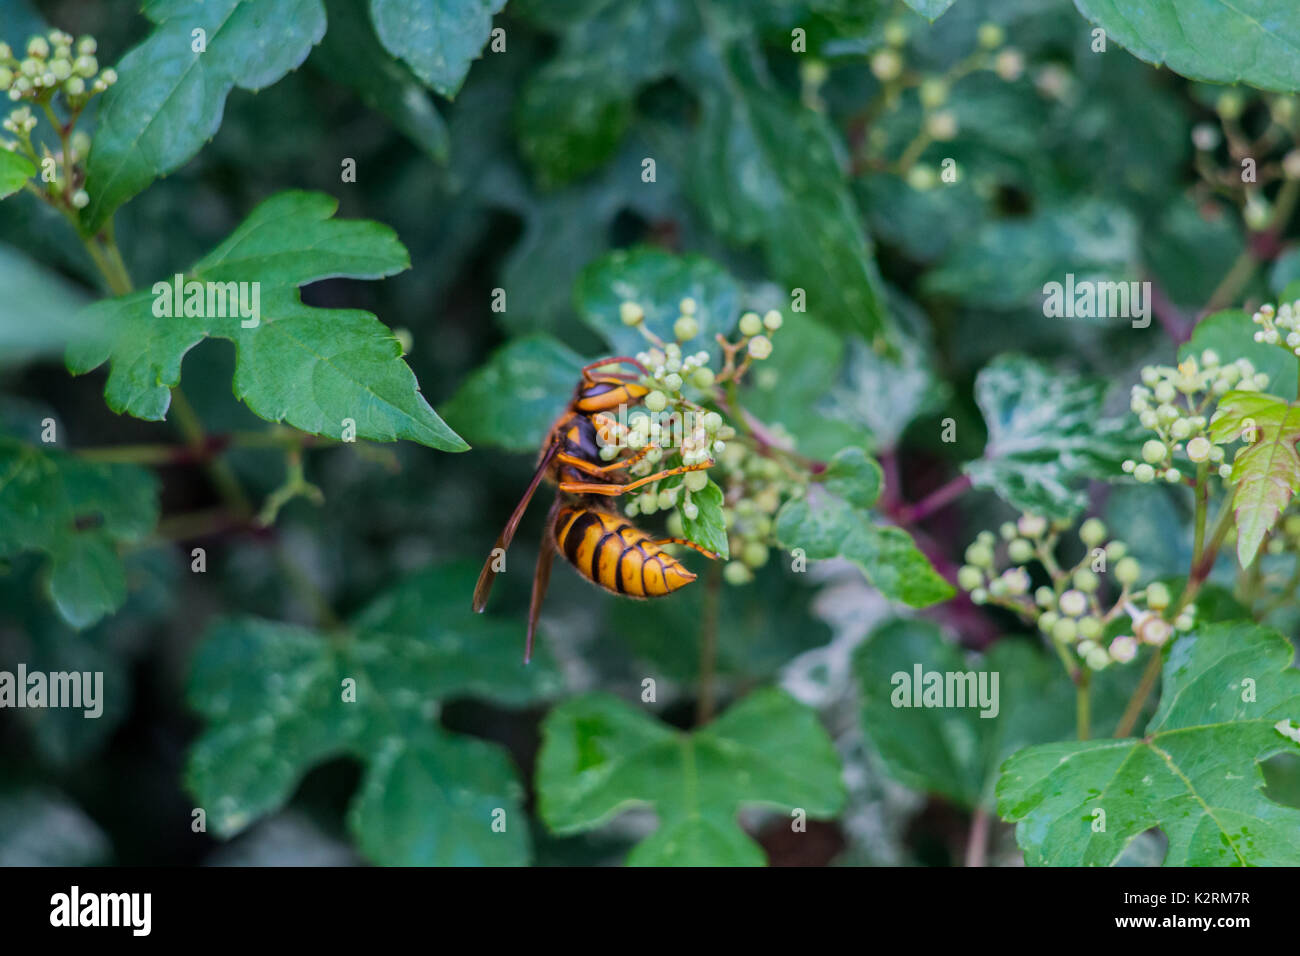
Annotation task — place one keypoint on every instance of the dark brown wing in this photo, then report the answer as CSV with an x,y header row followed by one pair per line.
x,y
542,578
488,575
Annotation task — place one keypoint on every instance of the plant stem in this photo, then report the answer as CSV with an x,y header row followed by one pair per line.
x,y
942,496
1241,272
218,470
1202,564
1202,504
709,643
977,840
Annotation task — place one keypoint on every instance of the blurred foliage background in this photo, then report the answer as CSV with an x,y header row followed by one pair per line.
x,y
790,169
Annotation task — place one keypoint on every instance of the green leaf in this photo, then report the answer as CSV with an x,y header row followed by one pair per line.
x,y
15,170
885,394
854,476
1231,333
425,799
38,312
575,110
1212,40
313,368
76,513
512,399
1047,434
601,756
438,39
657,281
1265,473
169,99
1008,262
351,54
828,527
954,750
767,173
274,698
708,529
1194,773
930,9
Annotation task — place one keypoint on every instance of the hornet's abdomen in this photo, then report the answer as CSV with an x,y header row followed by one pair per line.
x,y
608,551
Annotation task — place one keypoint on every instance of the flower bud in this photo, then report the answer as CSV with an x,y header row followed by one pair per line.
x,y
760,347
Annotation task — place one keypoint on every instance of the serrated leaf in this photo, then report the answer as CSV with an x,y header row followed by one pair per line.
x,y
513,398
76,513
438,39
168,100
312,368
15,170
824,526
1195,773
1230,333
955,750
657,281
1266,472
1047,435
351,54
273,697
708,529
601,756
1251,42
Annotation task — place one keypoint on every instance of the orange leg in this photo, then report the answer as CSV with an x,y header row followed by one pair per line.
x,y
613,490
690,544
613,360
591,469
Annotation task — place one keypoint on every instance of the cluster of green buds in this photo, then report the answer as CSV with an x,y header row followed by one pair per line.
x,y
677,426
54,63
1176,403
754,487
939,122
1279,326
1070,610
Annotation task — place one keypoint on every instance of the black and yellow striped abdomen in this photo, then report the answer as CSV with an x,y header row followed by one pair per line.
x,y
608,551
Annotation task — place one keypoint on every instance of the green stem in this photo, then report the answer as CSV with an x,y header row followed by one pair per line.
x,y
219,471
1241,272
1202,505
1202,564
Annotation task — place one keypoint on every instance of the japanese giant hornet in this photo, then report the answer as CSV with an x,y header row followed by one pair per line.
x,y
602,545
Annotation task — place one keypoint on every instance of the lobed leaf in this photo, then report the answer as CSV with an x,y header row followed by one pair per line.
x,y
75,513
273,698
1195,773
312,368
601,756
